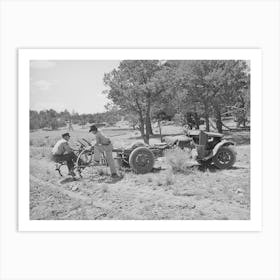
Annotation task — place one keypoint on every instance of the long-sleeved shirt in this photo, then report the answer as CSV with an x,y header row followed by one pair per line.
x,y
61,147
101,139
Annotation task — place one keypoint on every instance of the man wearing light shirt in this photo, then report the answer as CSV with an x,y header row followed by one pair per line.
x,y
63,152
103,144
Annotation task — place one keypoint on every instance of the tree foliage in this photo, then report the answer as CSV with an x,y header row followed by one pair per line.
x,y
146,91
211,87
50,119
134,87
187,89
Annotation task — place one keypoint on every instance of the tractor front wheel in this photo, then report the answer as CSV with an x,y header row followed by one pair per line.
x,y
225,157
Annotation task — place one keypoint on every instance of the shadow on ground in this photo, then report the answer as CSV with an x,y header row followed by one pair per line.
x,y
67,180
213,168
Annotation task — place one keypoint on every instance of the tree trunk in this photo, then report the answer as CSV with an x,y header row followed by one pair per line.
x,y
207,123
149,129
244,121
142,128
145,137
219,123
206,113
197,120
159,127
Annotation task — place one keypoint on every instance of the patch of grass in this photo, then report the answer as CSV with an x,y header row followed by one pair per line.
x,y
202,213
159,182
150,180
179,160
40,152
159,204
102,171
142,179
176,191
166,180
43,153
105,188
147,208
84,183
121,174
169,180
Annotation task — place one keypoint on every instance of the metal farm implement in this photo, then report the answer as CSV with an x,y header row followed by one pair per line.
x,y
139,157
84,158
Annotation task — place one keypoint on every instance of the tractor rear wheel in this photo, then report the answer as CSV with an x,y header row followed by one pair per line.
x,y
84,158
225,157
141,160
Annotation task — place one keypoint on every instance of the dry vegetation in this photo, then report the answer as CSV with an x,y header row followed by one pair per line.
x,y
176,189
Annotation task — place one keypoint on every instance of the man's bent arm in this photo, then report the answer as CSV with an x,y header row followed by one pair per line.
x,y
67,148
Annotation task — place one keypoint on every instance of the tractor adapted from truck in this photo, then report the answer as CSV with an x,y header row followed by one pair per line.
x,y
213,149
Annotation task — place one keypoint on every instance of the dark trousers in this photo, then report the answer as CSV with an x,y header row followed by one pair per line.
x,y
70,158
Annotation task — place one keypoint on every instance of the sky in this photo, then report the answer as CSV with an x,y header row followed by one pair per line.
x,y
69,84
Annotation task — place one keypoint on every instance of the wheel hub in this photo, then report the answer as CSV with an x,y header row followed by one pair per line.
x,y
142,160
224,157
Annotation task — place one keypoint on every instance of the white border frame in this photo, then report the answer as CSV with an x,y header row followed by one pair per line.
x,y
25,224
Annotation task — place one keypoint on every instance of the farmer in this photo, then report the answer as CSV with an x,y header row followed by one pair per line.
x,y
103,144
63,152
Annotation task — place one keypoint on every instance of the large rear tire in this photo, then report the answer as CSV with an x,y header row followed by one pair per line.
x,y
225,157
84,158
141,160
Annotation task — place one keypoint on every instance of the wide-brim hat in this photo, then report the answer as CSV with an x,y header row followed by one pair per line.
x,y
92,128
65,134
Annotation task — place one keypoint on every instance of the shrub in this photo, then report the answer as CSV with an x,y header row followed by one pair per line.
x,y
179,160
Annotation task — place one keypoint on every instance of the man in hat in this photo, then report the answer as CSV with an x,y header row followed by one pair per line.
x,y
63,152
103,144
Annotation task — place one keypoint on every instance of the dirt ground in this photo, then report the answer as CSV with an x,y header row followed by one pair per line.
x,y
197,194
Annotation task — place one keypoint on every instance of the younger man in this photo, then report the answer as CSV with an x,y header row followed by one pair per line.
x,y
103,144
